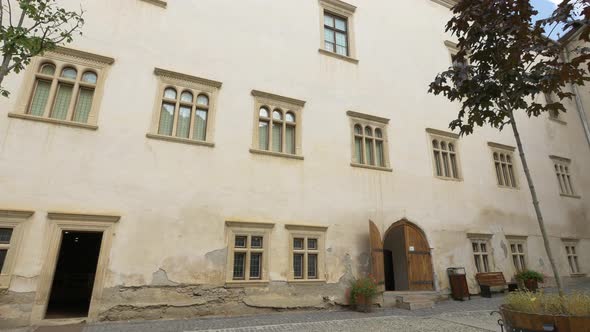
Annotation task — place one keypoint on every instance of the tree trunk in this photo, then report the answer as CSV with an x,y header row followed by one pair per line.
x,y
535,203
4,67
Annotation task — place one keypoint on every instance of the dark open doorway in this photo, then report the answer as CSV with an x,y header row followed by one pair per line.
x,y
73,279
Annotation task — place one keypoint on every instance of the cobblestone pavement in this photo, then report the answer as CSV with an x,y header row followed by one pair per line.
x,y
473,315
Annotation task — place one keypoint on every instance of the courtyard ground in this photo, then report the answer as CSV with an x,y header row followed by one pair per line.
x,y
476,314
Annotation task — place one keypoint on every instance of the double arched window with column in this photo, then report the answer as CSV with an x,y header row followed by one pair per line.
x,y
277,130
369,146
63,92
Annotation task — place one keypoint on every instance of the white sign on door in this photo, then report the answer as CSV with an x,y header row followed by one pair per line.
x,y
411,248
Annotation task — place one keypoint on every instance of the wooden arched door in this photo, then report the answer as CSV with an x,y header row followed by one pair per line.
x,y
420,273
410,262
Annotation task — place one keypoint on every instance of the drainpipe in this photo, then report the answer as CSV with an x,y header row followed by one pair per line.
x,y
579,105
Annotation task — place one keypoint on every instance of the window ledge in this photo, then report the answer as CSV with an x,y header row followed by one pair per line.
x,y
558,121
509,188
179,140
276,154
246,283
338,56
377,168
448,179
570,196
159,3
306,281
53,121
578,275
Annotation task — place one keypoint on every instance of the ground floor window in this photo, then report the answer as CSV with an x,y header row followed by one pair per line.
x,y
480,244
572,257
517,251
306,252
248,252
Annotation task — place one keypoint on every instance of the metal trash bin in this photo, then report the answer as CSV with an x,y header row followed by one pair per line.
x,y
458,282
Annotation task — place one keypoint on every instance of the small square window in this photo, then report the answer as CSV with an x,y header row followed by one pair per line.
x,y
312,244
5,235
256,242
240,241
298,243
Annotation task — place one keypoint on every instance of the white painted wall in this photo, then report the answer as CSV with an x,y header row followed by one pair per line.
x,y
174,198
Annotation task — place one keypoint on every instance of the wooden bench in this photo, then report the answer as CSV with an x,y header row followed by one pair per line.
x,y
491,279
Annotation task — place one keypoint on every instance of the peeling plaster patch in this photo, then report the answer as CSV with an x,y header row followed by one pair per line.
x,y
504,249
160,278
217,257
276,301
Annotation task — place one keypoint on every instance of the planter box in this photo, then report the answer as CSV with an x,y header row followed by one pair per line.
x,y
525,322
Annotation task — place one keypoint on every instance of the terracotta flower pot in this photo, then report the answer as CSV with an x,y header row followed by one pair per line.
x,y
531,285
363,304
522,321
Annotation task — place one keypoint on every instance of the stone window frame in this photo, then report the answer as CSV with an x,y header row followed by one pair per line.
x,y
571,252
62,58
508,164
15,220
273,102
346,11
562,168
249,229
159,3
58,222
447,138
479,239
181,83
519,257
307,232
374,122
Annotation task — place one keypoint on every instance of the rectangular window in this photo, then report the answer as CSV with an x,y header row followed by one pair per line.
x,y
5,236
184,109
562,168
307,252
65,87
336,34
503,159
445,154
517,250
277,125
247,260
336,22
572,257
481,255
369,140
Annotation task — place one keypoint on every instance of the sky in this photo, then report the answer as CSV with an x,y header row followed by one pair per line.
x,y
545,8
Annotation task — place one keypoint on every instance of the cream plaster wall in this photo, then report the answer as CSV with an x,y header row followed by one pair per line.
x,y
174,199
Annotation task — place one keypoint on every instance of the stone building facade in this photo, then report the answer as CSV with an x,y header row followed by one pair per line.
x,y
200,157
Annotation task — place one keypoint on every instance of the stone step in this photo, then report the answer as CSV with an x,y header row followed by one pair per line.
x,y
416,305
416,298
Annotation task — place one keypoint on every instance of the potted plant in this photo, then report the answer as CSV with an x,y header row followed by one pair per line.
x,y
530,279
362,292
527,311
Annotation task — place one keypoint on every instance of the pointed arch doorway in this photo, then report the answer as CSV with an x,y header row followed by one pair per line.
x,y
401,260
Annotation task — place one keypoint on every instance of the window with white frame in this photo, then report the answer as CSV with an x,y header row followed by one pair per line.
x,y
445,154
277,124
249,250
562,168
369,140
572,256
503,159
480,245
307,252
11,223
517,251
66,87
337,29
185,108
